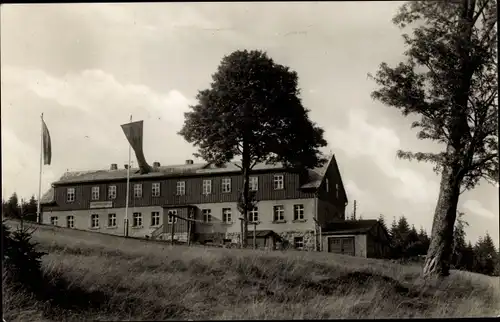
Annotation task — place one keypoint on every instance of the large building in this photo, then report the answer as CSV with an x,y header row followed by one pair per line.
x,y
292,205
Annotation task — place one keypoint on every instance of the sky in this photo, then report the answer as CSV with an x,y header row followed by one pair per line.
x,y
88,67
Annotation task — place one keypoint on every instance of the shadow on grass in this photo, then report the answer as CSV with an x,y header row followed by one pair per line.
x,y
58,293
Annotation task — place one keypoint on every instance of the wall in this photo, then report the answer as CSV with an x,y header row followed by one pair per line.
x,y
327,212
338,201
204,231
360,245
82,220
193,195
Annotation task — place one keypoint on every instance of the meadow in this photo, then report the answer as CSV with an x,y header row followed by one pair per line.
x,y
92,276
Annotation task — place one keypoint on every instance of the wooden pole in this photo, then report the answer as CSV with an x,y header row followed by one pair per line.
x,y
173,229
189,234
128,188
38,209
254,235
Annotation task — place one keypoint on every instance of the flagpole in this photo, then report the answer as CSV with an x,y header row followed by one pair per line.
x,y
38,213
128,186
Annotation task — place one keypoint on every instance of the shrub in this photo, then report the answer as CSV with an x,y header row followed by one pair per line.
x,y
21,261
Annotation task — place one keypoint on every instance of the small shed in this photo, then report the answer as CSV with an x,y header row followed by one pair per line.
x,y
362,238
267,239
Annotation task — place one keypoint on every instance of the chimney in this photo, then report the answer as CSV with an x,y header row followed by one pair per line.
x,y
156,165
126,166
189,161
114,166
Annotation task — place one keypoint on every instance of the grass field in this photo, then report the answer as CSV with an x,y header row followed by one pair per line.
x,y
100,277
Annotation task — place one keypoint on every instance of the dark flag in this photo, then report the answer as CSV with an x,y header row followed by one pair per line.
x,y
133,132
47,146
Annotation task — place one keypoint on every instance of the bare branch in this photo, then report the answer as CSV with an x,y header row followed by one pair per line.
x,y
479,12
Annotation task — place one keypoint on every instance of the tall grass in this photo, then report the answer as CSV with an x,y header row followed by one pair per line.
x,y
99,277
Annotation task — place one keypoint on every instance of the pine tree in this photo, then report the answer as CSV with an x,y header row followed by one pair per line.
x,y
468,257
459,242
381,221
31,209
424,241
12,207
497,266
485,254
412,243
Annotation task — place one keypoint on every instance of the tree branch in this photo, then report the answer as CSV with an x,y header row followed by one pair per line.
x,y
479,12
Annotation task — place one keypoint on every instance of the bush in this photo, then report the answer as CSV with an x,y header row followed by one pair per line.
x,y
21,261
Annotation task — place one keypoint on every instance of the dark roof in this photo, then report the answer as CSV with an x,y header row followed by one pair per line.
x,y
349,227
315,176
262,233
47,197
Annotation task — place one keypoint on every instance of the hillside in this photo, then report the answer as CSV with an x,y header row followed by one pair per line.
x,y
100,277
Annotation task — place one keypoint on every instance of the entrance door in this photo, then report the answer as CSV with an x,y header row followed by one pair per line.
x,y
341,245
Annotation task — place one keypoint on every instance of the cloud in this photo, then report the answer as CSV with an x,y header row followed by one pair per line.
x,y
477,208
83,112
361,139
100,95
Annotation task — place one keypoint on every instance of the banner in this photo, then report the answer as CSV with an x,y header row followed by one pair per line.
x,y
47,146
133,131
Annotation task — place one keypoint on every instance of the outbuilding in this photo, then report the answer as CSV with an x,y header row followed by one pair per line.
x,y
362,238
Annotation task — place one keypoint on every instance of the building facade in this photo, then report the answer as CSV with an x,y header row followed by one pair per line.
x,y
293,204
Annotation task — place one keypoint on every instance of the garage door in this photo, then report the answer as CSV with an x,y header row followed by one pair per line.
x,y
341,245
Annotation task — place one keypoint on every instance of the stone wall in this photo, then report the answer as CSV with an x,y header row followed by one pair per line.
x,y
309,238
177,237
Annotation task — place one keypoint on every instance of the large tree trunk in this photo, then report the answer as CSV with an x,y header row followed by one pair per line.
x,y
437,262
440,250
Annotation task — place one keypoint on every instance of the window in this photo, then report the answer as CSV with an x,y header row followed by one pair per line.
x,y
298,242
70,221
156,189
53,221
278,182
94,221
70,194
279,213
207,187
112,192
226,184
155,218
337,190
137,217
95,193
137,190
226,215
172,219
181,188
207,215
254,183
298,212
111,220
327,185
254,214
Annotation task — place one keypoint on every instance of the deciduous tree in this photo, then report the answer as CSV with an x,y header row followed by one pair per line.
x,y
449,81
253,110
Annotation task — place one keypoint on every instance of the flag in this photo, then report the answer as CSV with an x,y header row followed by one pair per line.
x,y
133,132
47,146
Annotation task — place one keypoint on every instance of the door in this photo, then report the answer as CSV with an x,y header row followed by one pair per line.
x,y
341,245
